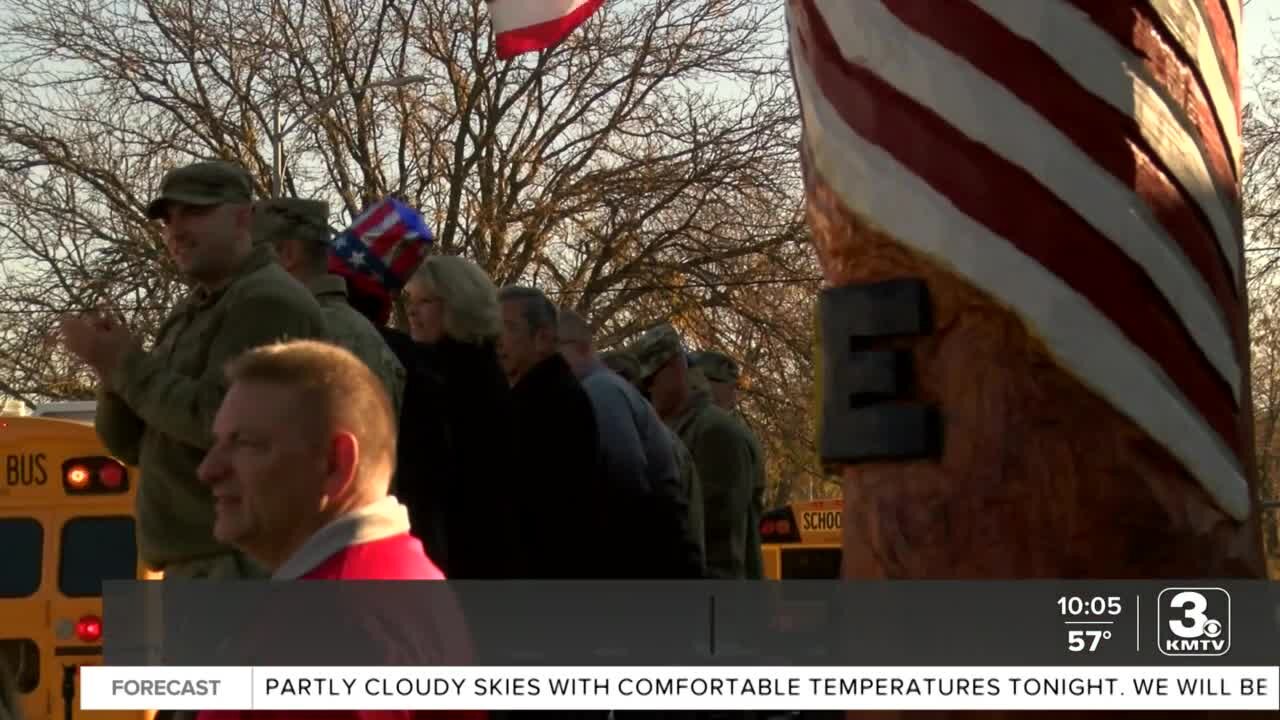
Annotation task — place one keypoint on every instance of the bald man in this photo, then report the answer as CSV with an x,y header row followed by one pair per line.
x,y
639,463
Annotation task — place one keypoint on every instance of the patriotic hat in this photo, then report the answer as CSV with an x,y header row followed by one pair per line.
x,y
364,293
386,243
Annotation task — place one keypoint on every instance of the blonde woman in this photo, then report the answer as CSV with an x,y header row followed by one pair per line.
x,y
454,316
450,298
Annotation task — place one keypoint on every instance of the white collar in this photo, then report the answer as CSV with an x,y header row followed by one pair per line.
x,y
377,521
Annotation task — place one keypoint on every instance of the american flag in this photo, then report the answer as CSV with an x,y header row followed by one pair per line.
x,y
521,26
1077,160
387,243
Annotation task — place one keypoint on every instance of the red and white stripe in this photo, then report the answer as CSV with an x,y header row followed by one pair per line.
x,y
1076,159
521,26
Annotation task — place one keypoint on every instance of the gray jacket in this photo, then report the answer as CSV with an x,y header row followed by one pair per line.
x,y
640,458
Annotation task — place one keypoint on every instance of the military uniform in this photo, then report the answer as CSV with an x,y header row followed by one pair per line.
x,y
721,448
716,367
698,379
353,331
691,484
275,219
621,362
156,408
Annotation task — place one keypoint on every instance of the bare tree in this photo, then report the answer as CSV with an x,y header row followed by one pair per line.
x,y
1265,344
646,167
1260,190
1260,180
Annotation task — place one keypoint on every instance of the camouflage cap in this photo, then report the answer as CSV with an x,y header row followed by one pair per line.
x,y
717,366
276,217
698,380
203,183
623,363
653,349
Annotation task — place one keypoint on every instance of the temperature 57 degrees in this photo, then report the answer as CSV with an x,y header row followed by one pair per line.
x,y
1086,640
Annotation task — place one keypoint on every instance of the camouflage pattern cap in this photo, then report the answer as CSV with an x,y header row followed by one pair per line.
x,y
653,349
698,380
204,183
717,366
623,363
280,216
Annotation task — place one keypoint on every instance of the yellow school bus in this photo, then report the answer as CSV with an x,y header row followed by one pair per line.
x,y
803,540
66,525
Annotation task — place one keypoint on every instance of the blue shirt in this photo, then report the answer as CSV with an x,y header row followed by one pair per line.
x,y
637,452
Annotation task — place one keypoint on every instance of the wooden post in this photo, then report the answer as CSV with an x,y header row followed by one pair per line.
x,y
1035,344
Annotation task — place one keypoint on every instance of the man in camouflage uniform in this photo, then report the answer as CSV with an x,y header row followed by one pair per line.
x,y
156,407
298,230
721,376
719,444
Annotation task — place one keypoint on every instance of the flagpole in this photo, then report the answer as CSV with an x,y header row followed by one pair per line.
x,y
277,154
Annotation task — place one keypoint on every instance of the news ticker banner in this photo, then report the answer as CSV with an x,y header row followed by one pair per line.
x,y
571,624
680,688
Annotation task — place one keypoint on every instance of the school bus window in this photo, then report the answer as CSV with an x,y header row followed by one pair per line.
x,y
95,549
20,657
22,540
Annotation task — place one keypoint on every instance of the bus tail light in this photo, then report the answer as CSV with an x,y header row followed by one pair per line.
x,y
94,476
111,475
78,477
778,526
89,629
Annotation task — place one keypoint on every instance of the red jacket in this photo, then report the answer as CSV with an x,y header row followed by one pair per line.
x,y
398,557
390,554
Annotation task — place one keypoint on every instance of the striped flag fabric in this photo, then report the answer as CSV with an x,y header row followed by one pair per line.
x,y
521,26
1079,162
387,243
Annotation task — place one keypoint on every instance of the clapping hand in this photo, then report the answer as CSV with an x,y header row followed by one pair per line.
x,y
99,338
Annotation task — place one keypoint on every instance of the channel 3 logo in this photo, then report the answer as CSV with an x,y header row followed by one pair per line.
x,y
1194,621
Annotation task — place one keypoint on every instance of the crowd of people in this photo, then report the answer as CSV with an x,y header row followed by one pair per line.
x,y
284,429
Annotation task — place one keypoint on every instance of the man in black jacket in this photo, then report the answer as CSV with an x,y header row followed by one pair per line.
x,y
557,445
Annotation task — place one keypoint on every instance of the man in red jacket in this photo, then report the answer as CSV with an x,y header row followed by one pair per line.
x,y
300,468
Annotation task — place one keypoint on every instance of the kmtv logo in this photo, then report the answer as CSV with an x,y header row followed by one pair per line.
x,y
1194,621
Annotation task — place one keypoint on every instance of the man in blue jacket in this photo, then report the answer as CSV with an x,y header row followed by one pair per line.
x,y
639,462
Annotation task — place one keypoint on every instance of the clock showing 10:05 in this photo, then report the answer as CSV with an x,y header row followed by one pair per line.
x,y
1076,606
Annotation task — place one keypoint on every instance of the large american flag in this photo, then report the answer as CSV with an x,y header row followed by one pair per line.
x,y
1078,160
521,26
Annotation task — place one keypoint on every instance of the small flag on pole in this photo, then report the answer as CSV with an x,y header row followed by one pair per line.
x,y
388,242
521,26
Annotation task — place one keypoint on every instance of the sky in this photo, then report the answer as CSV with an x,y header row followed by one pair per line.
x,y
1261,21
